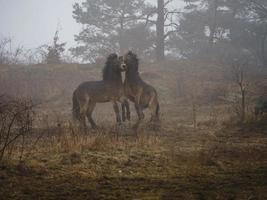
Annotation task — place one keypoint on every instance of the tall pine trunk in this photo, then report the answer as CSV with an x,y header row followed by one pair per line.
x,y
263,49
214,22
160,46
121,35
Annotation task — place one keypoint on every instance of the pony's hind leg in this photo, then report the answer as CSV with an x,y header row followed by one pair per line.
x,y
139,111
82,123
154,112
126,114
141,116
89,112
82,117
155,121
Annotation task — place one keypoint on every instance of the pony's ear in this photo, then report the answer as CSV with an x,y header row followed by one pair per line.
x,y
133,55
112,56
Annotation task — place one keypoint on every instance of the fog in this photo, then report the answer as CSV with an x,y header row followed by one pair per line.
x,y
32,23
133,99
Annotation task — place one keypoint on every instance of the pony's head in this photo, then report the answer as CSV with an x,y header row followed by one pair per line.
x,y
123,65
112,67
129,61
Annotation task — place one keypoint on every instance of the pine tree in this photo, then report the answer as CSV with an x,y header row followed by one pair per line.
x,y
107,24
55,50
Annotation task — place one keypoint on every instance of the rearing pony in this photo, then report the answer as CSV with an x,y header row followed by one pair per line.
x,y
138,91
109,89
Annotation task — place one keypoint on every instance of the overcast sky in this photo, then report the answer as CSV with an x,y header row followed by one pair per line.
x,y
32,23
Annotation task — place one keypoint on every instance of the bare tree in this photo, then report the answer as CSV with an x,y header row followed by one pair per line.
x,y
9,55
239,79
16,118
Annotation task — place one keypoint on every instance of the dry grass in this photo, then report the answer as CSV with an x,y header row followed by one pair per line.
x,y
178,162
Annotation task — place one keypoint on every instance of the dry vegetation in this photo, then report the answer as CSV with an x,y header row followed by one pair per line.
x,y
200,151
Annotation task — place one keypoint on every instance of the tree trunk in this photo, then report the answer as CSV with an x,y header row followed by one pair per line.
x,y
243,95
121,35
160,46
121,42
214,23
194,110
243,105
263,50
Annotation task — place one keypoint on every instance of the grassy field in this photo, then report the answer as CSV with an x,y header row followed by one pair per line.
x,y
218,159
176,162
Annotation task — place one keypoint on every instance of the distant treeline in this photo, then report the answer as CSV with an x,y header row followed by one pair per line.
x,y
222,30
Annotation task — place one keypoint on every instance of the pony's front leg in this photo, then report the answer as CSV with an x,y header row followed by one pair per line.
x,y
125,109
128,112
117,112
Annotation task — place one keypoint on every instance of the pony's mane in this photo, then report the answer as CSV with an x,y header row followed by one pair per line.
x,y
134,59
108,70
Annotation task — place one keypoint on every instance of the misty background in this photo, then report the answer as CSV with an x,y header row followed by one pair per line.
x,y
221,30
203,61
32,23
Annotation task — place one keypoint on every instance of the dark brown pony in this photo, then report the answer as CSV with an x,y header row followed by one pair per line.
x,y
109,89
138,91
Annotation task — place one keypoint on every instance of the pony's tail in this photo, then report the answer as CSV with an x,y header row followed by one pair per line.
x,y
75,107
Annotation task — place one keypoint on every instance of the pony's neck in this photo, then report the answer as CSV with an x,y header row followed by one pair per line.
x,y
115,78
131,75
111,76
